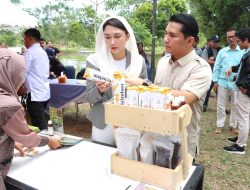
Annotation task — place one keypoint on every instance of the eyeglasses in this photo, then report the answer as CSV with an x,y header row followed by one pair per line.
x,y
229,37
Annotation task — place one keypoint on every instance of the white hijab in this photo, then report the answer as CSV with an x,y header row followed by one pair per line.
x,y
103,58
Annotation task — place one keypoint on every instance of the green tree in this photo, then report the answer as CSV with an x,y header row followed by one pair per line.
x,y
66,25
144,14
142,33
216,16
16,1
8,37
124,7
165,9
141,13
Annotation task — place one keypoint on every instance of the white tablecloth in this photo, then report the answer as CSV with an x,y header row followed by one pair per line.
x,y
83,166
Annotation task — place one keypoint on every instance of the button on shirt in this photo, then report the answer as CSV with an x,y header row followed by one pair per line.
x,y
225,59
37,73
190,73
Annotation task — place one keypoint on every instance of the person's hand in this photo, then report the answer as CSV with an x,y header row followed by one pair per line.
x,y
133,81
19,147
22,90
54,143
102,86
228,72
216,87
52,74
211,58
243,90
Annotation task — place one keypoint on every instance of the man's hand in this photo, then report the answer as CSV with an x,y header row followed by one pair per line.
x,y
52,74
19,147
54,143
190,98
211,59
133,81
229,71
216,87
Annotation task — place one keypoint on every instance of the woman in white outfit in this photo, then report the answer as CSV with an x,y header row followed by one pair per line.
x,y
116,50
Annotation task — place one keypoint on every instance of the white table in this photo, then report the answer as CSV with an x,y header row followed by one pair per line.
x,y
83,166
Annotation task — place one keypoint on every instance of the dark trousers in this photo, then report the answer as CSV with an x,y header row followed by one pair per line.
x,y
208,94
36,111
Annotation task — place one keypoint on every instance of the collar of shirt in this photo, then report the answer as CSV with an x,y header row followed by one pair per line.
x,y
236,49
184,60
35,46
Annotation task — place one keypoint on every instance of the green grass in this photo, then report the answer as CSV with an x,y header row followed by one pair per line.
x,y
73,56
223,171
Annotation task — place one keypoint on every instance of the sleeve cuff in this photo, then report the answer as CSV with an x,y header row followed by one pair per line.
x,y
194,91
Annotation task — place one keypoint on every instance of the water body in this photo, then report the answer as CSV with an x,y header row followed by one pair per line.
x,y
76,60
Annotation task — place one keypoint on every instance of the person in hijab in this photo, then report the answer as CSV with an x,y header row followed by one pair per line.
x,y
116,50
13,126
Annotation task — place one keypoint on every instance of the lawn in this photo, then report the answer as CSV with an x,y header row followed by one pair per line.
x,y
223,171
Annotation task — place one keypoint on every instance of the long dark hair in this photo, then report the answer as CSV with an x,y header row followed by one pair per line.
x,y
142,52
115,23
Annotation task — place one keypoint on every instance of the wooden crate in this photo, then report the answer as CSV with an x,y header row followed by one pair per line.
x,y
151,120
150,174
145,119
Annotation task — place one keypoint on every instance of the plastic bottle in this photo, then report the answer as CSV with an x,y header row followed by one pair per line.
x,y
50,128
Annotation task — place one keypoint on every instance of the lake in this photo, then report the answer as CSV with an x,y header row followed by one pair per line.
x,y
76,60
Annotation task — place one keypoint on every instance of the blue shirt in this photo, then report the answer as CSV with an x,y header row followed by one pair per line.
x,y
225,59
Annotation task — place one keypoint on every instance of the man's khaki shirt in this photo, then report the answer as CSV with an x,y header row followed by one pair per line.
x,y
189,73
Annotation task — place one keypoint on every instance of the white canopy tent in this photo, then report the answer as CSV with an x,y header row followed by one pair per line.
x,y
12,16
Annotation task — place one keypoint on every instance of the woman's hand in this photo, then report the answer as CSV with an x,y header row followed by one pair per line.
x,y
102,86
19,147
21,90
54,143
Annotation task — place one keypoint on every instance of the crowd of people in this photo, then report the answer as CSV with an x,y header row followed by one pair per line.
x,y
224,82
189,71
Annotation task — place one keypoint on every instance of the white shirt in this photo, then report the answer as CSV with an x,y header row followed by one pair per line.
x,y
120,64
37,73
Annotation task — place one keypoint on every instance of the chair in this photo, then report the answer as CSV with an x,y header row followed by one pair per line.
x,y
80,74
81,100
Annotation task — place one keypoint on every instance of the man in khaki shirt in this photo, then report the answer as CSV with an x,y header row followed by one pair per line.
x,y
185,72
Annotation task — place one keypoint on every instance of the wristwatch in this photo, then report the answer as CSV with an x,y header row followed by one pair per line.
x,y
146,82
